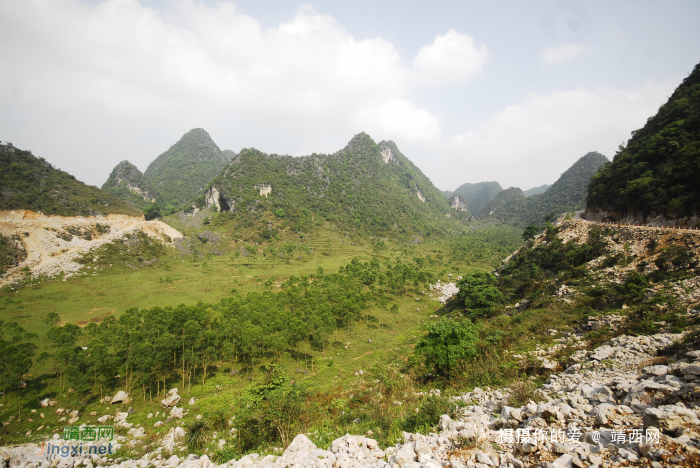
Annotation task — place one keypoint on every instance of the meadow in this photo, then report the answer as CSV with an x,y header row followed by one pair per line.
x,y
378,343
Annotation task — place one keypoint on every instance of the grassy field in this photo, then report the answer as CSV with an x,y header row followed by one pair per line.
x,y
379,339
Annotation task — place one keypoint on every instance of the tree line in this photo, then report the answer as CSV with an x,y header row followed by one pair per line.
x,y
147,350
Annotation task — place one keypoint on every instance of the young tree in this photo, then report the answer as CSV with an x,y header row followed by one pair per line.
x,y
479,293
448,342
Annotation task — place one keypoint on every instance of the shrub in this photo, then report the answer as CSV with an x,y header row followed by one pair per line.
x,y
479,293
197,433
448,342
428,414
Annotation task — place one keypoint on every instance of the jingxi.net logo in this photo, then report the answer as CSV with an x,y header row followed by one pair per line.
x,y
94,436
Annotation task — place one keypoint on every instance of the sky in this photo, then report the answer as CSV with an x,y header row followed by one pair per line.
x,y
509,91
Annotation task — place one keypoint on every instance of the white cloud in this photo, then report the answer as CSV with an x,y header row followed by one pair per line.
x,y
88,86
563,53
452,58
533,142
74,72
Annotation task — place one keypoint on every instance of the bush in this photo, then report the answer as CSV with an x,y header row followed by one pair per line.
x,y
197,433
428,414
448,342
479,294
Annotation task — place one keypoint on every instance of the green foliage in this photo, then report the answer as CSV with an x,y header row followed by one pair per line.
x,y
31,183
132,250
488,244
353,189
197,433
271,411
479,293
477,195
428,414
180,174
448,342
634,286
16,353
656,172
127,183
184,343
531,231
12,252
568,193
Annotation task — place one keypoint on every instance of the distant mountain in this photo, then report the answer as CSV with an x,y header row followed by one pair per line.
x,y
536,190
31,183
184,171
657,173
509,205
568,193
228,154
477,196
127,183
366,188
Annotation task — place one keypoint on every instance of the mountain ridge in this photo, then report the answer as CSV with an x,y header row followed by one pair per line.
x,y
655,174
31,183
364,187
568,193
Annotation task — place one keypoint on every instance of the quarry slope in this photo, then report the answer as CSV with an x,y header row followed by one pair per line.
x,y
51,243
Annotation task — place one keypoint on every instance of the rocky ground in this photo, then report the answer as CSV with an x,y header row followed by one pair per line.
x,y
53,242
634,401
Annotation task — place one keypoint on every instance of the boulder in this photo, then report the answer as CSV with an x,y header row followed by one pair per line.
x,y
406,454
171,399
47,402
176,412
137,432
670,419
171,438
121,397
603,352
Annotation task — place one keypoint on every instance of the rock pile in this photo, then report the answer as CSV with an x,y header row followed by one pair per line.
x,y
444,292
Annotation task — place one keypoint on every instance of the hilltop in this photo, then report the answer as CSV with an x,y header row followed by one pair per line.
x,y
127,183
656,174
536,190
183,172
476,196
365,188
568,193
31,183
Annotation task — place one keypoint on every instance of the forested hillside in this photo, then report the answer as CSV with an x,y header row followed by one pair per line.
x,y
127,183
31,183
657,172
183,172
568,193
366,188
536,190
476,195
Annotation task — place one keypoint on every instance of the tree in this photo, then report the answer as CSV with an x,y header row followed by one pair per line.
x,y
479,293
52,318
531,231
448,342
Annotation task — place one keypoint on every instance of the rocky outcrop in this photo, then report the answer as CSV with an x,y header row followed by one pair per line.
x,y
52,243
458,203
171,399
121,398
265,189
222,202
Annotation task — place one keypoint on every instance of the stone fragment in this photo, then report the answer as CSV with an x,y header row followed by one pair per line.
x,y
603,352
171,399
121,397
670,418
